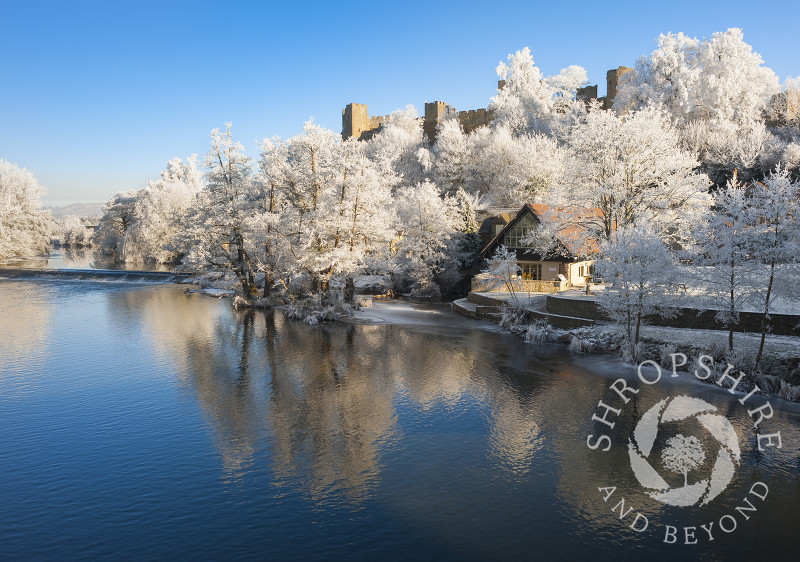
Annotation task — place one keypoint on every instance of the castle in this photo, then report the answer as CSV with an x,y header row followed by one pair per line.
x,y
357,123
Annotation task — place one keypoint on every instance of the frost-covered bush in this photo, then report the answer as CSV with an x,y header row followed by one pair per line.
x,y
789,392
514,319
580,345
428,291
542,331
633,354
316,309
665,353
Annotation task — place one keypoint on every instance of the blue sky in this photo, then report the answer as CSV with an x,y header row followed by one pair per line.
x,y
95,97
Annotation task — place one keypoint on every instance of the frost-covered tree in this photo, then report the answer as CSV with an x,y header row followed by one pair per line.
x,y
160,211
719,80
631,169
427,223
74,233
726,236
532,103
311,191
502,270
218,236
453,165
119,215
271,251
640,277
400,149
715,91
777,242
511,170
24,226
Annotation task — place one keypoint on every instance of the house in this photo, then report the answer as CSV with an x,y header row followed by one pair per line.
x,y
569,263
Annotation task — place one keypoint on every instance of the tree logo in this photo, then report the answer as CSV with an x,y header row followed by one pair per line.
x,y
681,454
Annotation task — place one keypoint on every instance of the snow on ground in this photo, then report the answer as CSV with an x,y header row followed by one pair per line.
x,y
407,313
776,347
219,293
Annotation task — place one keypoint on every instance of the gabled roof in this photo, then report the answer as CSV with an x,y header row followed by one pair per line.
x,y
572,239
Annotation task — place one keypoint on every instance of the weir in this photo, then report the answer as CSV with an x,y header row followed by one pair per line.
x,y
92,275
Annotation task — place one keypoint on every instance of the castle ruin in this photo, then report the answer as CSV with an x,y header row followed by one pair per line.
x,y
356,122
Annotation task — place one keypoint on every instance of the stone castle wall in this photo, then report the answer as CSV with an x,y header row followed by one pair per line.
x,y
783,110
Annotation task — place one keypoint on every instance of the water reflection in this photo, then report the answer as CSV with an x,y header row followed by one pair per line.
x,y
61,257
462,436
22,302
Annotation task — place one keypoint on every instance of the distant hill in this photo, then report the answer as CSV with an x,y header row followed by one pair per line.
x,y
79,209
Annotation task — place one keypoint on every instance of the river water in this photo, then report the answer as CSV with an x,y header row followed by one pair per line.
x,y
138,421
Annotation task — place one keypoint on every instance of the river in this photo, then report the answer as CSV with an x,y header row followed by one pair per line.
x,y
139,421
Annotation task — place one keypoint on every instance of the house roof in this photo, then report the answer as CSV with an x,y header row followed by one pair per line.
x,y
572,238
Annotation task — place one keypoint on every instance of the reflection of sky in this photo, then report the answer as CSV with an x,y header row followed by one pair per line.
x,y
68,258
203,420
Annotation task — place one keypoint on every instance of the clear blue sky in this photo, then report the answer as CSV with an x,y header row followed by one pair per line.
x,y
95,97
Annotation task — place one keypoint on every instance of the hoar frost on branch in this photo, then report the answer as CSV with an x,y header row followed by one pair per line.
x,y
640,278
630,170
715,91
531,103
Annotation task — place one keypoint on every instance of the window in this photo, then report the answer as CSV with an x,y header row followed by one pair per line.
x,y
531,271
520,230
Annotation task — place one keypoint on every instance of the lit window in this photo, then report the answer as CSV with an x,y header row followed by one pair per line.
x,y
515,234
531,271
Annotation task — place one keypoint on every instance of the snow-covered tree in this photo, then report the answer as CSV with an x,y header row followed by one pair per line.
x,y
399,150
713,90
511,170
726,236
161,208
218,235
119,215
640,277
74,233
453,165
629,170
776,205
24,226
717,80
271,251
532,103
502,270
427,224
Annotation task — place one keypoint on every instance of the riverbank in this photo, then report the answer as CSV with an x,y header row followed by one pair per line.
x,y
529,317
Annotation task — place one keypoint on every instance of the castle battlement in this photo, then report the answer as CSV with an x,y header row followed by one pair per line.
x,y
357,123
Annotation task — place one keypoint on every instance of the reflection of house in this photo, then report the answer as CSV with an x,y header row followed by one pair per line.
x,y
569,261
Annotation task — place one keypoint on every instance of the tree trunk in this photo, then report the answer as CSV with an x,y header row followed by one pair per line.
x,y
267,285
732,319
349,290
766,313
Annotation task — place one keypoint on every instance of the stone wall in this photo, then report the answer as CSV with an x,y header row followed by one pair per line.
x,y
474,118
749,322
783,109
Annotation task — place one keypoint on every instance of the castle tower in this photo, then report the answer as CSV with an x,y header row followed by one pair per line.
x,y
435,112
612,81
354,120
